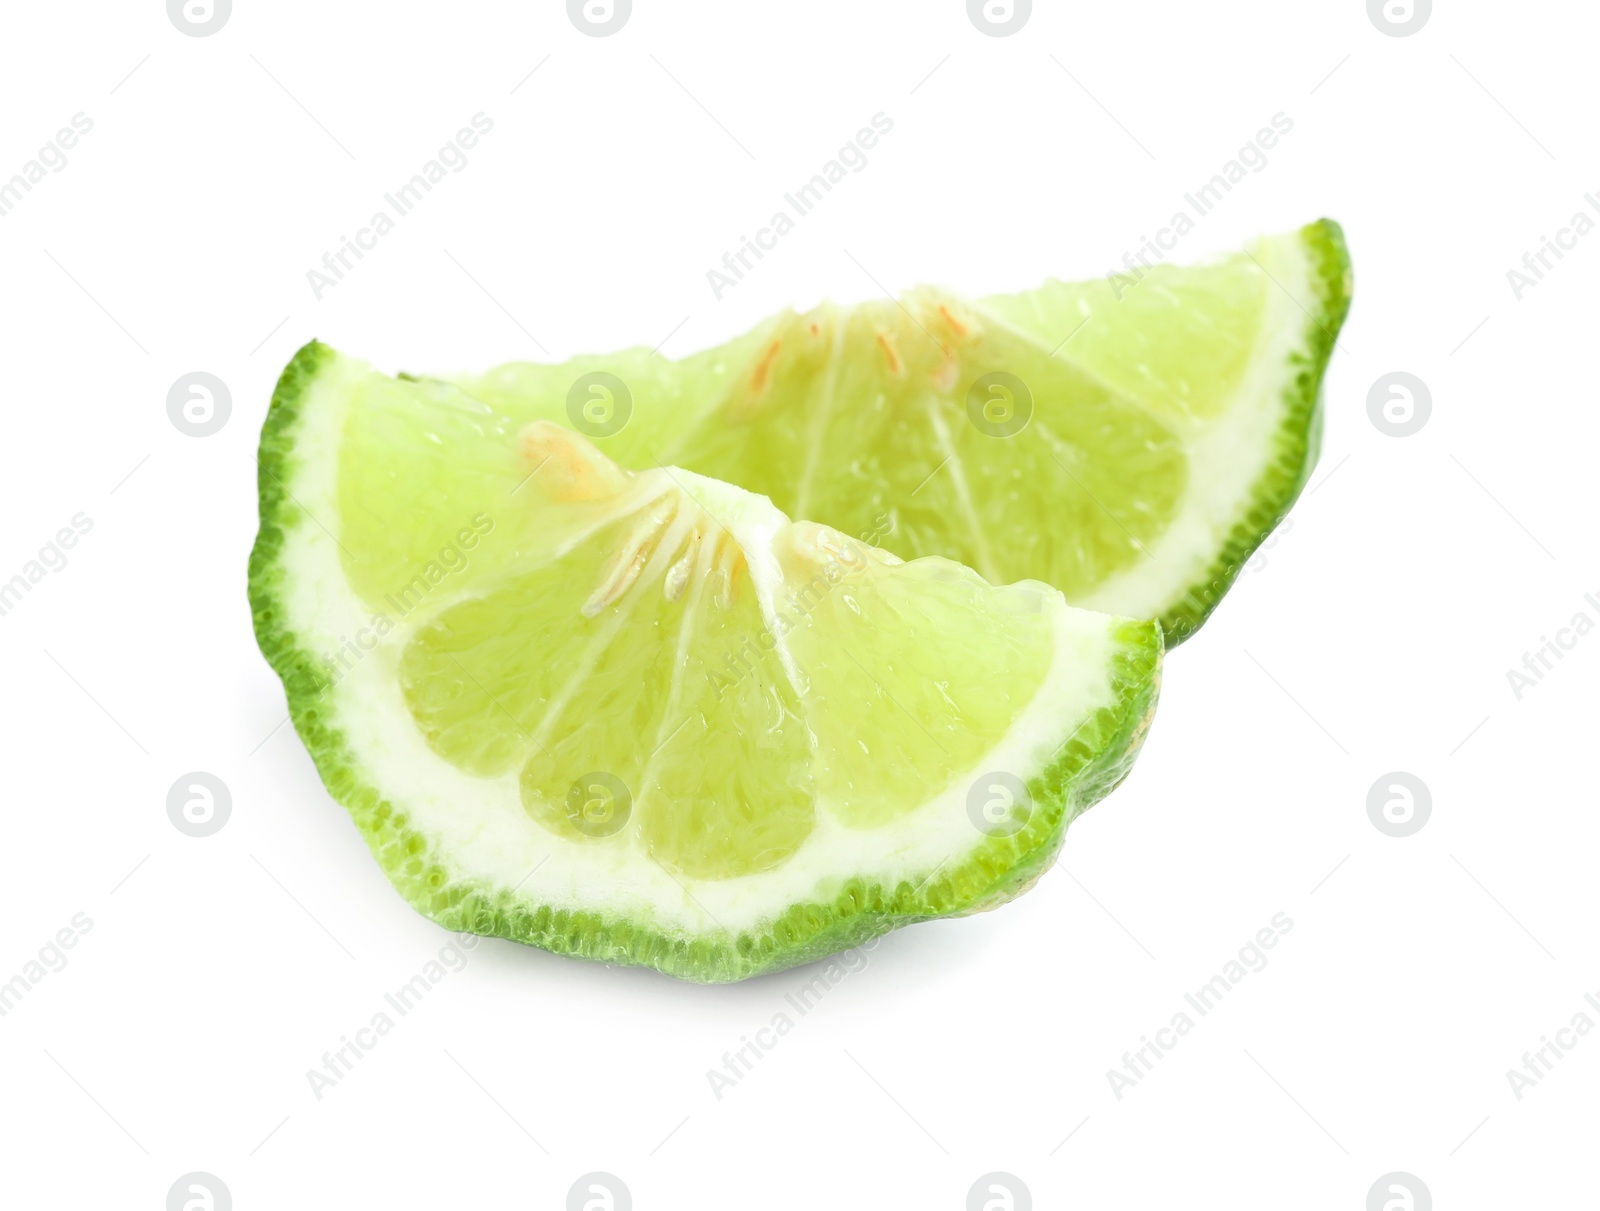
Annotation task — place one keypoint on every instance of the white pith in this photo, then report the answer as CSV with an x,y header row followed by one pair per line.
x,y
479,827
1228,453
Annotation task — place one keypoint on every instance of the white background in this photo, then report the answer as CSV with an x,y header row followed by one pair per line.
x,y
1374,636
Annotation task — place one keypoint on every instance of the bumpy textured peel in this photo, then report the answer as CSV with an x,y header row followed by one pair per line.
x,y
1095,755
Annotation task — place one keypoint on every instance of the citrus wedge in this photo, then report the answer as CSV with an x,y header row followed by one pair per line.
x,y
1130,441
643,717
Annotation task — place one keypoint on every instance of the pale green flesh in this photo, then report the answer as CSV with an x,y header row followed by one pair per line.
x,y
861,416
1172,420
743,748
606,624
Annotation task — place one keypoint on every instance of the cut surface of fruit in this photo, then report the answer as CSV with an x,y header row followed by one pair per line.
x,y
644,717
1128,440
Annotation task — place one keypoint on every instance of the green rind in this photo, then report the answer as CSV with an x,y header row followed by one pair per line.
x,y
1298,439
1094,760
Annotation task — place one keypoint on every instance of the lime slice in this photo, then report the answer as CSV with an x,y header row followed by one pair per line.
x,y
1130,441
643,717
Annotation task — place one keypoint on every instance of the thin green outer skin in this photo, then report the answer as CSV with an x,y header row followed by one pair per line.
x,y
1096,758
1297,442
